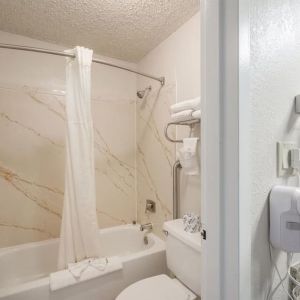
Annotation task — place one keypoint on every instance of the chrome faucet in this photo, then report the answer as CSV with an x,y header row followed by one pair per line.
x,y
147,226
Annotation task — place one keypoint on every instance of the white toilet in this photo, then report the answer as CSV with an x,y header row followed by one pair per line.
x,y
183,259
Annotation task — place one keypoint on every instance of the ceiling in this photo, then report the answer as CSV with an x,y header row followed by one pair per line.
x,y
124,29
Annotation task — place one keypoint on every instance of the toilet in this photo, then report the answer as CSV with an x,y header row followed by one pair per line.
x,y
183,251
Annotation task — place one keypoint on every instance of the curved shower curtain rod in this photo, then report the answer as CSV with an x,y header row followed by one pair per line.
x,y
98,61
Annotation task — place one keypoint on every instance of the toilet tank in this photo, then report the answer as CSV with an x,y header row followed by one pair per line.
x,y
183,251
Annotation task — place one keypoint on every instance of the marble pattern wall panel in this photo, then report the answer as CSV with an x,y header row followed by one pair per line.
x,y
178,59
32,159
155,156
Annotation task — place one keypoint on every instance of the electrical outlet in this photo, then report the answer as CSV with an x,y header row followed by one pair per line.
x,y
284,159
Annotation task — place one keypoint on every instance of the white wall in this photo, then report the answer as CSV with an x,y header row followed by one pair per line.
x,y
178,59
275,80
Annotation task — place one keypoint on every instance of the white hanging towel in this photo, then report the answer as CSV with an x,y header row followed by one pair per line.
x,y
79,230
188,156
193,104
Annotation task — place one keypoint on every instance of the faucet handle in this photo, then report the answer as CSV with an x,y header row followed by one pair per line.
x,y
150,206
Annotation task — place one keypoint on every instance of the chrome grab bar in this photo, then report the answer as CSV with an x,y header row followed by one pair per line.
x,y
177,166
176,190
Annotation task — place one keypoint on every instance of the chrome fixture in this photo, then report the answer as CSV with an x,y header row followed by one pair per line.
x,y
146,240
189,123
177,166
148,227
141,93
150,206
176,191
98,61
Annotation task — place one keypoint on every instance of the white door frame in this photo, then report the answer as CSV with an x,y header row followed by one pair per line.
x,y
225,52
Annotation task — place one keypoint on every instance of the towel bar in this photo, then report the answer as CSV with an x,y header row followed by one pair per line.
x,y
189,123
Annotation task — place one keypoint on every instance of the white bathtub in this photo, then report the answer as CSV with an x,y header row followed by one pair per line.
x,y
25,269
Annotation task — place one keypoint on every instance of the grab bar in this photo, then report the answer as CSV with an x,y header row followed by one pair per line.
x,y
176,190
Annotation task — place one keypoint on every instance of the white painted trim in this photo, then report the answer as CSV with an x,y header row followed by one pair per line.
x,y
229,149
244,152
210,150
225,148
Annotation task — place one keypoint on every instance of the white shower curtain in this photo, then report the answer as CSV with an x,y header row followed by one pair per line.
x,y
79,229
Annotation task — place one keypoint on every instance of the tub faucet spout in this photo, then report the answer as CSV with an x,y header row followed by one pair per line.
x,y
147,226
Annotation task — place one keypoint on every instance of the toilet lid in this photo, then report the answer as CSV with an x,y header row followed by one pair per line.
x,y
159,287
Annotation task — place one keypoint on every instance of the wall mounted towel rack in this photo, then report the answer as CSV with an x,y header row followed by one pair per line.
x,y
189,123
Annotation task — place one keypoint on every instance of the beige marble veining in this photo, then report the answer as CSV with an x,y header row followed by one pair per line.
x,y
155,156
27,189
133,161
32,161
29,210
32,130
150,182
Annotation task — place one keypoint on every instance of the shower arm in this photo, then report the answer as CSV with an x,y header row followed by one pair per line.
x,y
95,60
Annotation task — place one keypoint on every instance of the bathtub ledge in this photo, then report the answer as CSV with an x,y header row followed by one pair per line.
x,y
64,278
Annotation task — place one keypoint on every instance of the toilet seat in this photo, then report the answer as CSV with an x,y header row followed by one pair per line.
x,y
159,287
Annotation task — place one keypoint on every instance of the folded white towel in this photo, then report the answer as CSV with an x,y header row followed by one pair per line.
x,y
196,114
193,104
77,269
185,115
83,271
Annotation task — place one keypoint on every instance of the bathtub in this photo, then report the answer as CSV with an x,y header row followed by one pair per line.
x,y
25,269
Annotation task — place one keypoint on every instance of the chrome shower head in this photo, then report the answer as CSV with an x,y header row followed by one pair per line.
x,y
141,93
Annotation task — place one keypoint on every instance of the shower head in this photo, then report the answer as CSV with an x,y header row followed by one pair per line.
x,y
141,93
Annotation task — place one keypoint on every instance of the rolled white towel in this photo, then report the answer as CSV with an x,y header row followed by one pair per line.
x,y
196,114
185,115
192,222
193,104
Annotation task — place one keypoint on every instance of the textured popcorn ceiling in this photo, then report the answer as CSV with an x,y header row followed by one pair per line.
x,y
125,29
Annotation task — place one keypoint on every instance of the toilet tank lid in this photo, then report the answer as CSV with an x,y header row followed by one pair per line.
x,y
176,229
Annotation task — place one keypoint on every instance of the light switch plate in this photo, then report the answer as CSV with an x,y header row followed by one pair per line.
x,y
283,158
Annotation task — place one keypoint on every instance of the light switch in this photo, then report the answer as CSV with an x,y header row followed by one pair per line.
x,y
283,158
